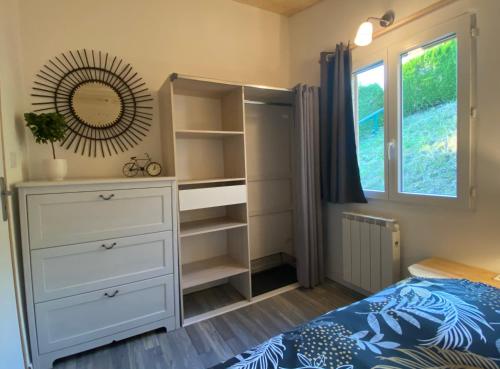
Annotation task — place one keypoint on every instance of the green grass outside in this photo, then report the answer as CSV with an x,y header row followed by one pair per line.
x,y
429,152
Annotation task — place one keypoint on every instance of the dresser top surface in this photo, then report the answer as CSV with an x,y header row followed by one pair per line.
x,y
91,181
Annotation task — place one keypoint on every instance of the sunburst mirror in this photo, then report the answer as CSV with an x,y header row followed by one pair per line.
x,y
106,105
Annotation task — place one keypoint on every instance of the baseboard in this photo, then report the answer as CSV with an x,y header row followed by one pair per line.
x,y
351,286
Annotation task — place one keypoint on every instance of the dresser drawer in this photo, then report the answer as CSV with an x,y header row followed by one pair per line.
x,y
82,318
213,196
69,218
69,270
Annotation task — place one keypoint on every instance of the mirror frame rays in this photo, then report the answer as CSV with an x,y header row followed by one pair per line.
x,y
57,81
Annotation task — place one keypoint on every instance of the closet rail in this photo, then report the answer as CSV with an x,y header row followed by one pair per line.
x,y
266,103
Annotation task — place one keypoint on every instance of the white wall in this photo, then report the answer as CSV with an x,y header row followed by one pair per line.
x,y
226,40
469,236
11,352
218,38
11,90
230,41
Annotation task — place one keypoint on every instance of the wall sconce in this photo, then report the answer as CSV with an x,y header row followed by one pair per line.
x,y
364,35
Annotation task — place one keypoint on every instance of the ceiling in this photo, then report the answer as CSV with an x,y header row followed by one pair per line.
x,y
285,7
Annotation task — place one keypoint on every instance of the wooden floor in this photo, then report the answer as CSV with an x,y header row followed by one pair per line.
x,y
210,299
207,343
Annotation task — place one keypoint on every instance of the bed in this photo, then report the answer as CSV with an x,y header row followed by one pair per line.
x,y
417,323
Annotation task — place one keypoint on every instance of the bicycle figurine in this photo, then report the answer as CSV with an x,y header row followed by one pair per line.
x,y
145,165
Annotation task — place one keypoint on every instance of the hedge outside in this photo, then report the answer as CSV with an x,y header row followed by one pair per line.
x,y
429,80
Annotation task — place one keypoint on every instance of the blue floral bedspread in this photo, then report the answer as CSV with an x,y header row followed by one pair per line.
x,y
417,323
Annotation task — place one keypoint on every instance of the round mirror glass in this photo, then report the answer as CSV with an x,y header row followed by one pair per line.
x,y
96,104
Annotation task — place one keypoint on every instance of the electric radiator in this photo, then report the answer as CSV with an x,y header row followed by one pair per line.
x,y
370,251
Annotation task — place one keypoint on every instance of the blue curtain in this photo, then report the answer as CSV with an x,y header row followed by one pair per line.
x,y
340,179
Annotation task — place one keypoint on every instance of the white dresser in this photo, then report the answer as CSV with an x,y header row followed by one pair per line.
x,y
100,262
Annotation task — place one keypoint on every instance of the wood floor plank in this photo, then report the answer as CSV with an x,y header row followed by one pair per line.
x,y
250,325
212,298
153,358
341,293
237,346
294,303
210,346
306,300
120,356
228,334
179,351
269,326
277,318
223,328
280,307
240,330
207,343
136,354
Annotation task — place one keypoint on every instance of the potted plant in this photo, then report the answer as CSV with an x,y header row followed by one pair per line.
x,y
49,128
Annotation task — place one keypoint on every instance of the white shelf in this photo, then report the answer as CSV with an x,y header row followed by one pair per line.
x,y
270,211
209,225
186,182
201,87
210,270
216,312
191,133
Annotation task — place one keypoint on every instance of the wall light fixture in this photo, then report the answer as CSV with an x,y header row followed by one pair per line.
x,y
364,35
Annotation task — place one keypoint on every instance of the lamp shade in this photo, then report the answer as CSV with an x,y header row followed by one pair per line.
x,y
364,35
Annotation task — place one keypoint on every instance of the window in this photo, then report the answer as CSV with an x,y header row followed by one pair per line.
x,y
369,97
428,112
412,110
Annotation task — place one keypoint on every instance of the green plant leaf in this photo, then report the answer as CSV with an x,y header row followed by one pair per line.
x,y
46,127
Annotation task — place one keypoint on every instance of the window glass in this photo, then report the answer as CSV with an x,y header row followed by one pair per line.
x,y
429,119
369,114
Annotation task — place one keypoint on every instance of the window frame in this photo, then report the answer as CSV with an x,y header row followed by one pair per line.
x,y
363,58
460,27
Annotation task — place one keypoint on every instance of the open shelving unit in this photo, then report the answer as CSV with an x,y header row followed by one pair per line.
x,y
203,127
210,270
198,227
204,139
208,181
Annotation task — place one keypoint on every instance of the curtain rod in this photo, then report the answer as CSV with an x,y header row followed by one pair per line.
x,y
404,21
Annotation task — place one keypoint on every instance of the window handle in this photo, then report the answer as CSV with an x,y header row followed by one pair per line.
x,y
390,150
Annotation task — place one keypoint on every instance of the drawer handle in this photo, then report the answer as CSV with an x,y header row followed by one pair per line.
x,y
112,294
109,197
109,247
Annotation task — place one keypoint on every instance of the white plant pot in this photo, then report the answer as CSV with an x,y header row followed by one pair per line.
x,y
55,169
